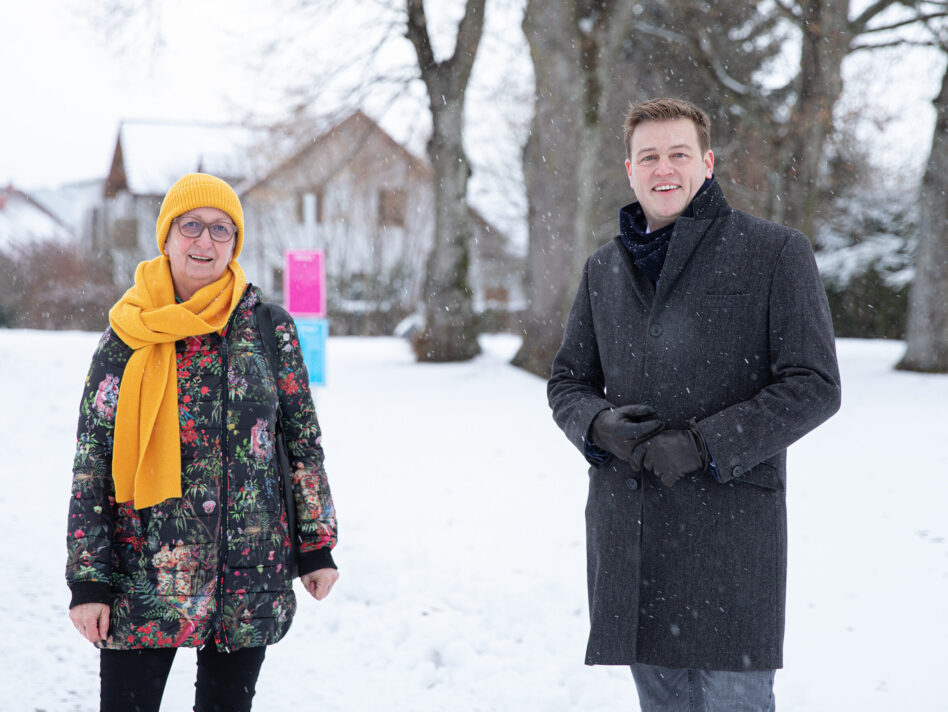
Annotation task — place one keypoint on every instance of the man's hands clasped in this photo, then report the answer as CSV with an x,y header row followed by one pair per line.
x,y
672,454
634,434
619,430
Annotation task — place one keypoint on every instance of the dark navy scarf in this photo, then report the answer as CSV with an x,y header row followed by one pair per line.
x,y
648,249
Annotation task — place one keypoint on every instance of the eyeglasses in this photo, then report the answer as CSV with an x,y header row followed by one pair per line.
x,y
194,228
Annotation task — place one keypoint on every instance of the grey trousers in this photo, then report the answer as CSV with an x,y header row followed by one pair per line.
x,y
664,689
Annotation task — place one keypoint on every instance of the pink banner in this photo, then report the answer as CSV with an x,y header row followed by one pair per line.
x,y
304,282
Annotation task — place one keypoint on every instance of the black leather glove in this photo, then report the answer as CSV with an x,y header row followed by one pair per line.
x,y
671,454
619,430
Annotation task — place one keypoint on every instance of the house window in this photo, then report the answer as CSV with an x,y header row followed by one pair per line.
x,y
498,295
309,206
125,233
95,225
392,208
277,277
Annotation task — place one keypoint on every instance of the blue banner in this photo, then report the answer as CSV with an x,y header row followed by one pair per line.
x,y
313,336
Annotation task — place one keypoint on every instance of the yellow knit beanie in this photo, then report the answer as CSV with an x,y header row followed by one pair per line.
x,y
199,190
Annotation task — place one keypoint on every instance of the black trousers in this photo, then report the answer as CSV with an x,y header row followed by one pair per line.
x,y
134,680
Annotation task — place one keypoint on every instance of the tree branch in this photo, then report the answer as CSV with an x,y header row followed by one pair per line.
x,y
663,34
859,25
893,43
788,12
903,23
761,29
470,29
707,54
417,33
458,66
720,73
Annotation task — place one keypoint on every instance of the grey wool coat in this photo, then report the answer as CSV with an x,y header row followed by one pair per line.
x,y
737,334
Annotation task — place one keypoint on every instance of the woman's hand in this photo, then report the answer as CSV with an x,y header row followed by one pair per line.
x,y
92,620
320,582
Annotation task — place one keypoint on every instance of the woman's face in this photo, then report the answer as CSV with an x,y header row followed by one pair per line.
x,y
197,261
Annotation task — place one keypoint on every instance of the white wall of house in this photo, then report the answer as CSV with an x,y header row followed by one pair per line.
x,y
366,204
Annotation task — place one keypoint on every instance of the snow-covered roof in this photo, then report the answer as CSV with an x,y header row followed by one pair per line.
x,y
151,155
311,137
71,202
23,220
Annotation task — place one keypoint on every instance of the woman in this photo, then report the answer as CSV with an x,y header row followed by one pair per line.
x,y
178,533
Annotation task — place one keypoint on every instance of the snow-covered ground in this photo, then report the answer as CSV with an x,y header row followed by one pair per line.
x,y
461,544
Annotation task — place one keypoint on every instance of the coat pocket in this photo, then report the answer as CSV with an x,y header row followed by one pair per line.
x,y
723,297
763,475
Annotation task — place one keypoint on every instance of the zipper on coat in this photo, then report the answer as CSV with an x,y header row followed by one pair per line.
x,y
225,401
222,549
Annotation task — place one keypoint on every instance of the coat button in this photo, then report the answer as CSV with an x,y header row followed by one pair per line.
x,y
632,484
655,330
738,471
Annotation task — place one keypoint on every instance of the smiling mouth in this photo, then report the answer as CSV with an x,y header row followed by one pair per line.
x,y
198,258
665,188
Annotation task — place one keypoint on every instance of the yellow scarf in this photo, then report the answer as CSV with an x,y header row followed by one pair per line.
x,y
146,457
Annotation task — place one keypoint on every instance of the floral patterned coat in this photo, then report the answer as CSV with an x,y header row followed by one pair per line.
x,y
215,564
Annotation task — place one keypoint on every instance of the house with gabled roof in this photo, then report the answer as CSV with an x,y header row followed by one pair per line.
x,y
351,190
72,203
368,201
356,193
24,220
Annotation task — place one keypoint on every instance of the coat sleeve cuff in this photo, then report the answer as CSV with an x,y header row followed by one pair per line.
x,y
90,592
594,454
310,561
713,467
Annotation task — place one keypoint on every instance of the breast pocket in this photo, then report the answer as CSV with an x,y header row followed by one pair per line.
x,y
724,316
726,300
727,346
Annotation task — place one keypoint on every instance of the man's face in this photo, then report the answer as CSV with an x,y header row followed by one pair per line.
x,y
667,168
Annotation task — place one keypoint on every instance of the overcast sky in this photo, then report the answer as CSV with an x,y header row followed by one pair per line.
x,y
66,85
64,90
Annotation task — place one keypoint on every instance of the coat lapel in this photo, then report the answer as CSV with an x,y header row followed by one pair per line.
x,y
641,285
687,234
684,240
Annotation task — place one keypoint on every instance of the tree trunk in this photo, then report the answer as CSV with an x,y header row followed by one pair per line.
x,y
571,160
825,44
549,161
450,330
927,329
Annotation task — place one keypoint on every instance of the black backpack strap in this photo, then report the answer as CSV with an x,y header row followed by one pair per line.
x,y
264,314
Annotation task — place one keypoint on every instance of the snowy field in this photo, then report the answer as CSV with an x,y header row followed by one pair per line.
x,y
461,544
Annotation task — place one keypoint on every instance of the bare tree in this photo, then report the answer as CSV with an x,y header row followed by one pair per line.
x,y
927,328
449,332
828,36
575,46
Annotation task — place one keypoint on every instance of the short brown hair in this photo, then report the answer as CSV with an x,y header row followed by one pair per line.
x,y
667,110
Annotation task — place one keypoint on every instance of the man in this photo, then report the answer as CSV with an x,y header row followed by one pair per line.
x,y
698,348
